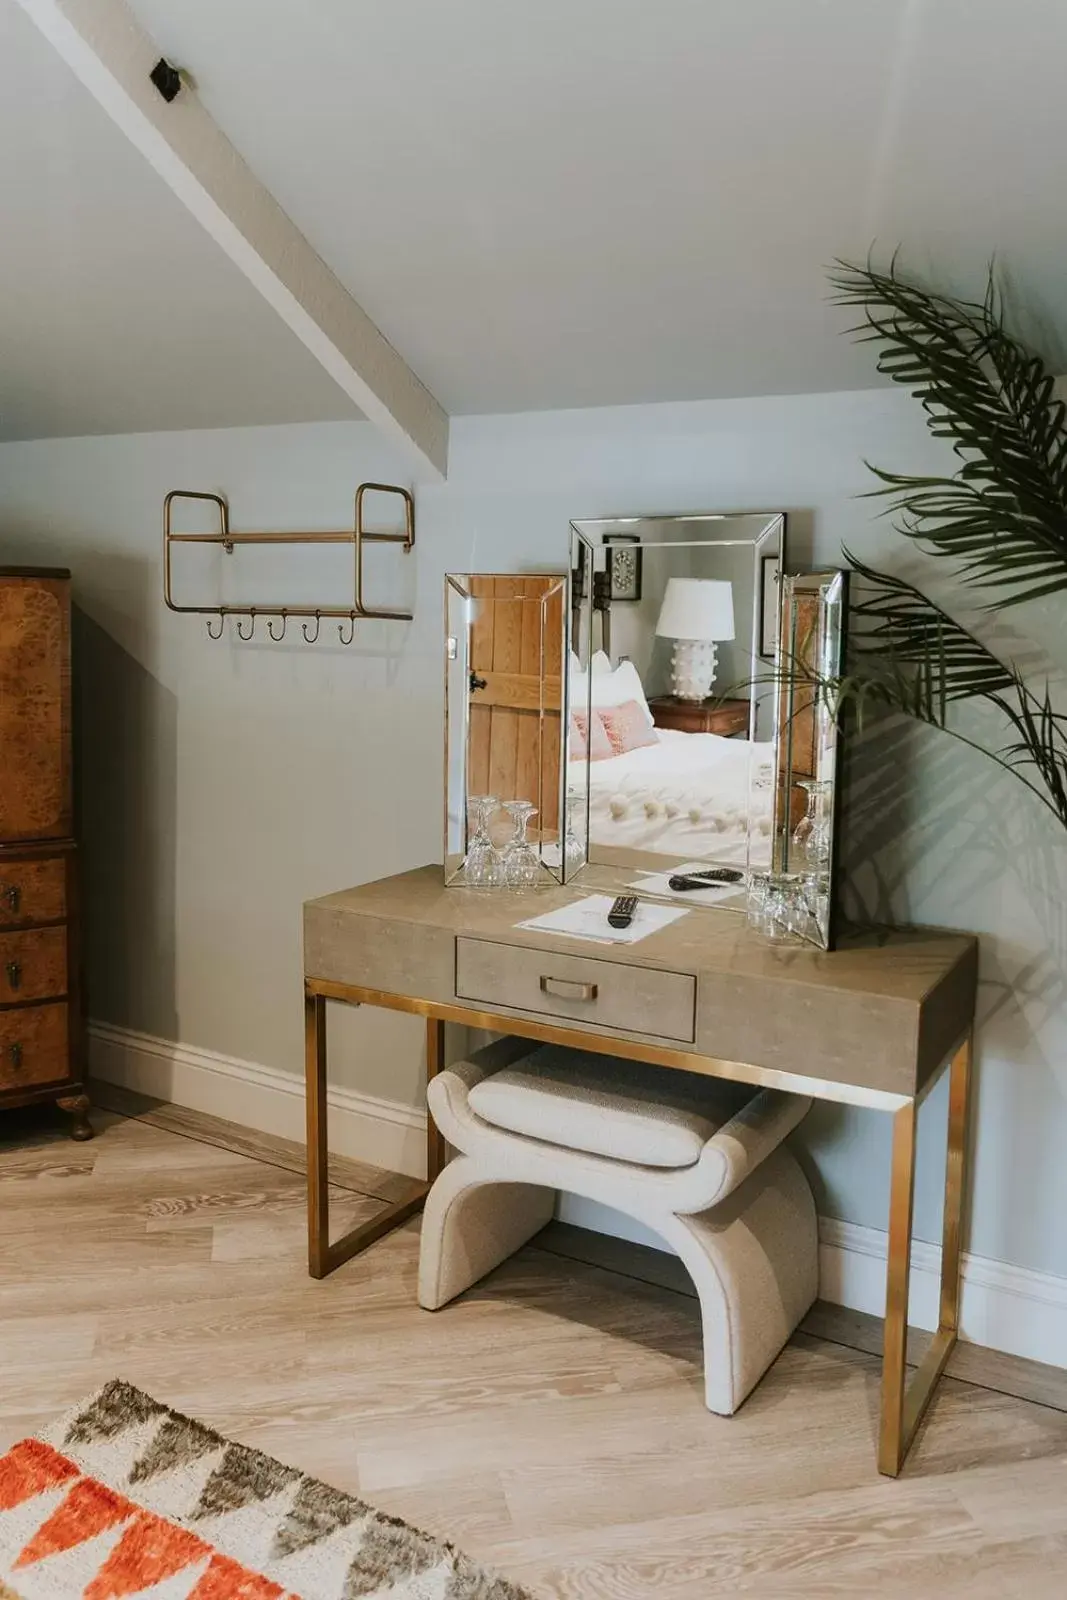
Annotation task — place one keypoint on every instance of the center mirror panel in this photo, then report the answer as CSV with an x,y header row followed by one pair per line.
x,y
671,700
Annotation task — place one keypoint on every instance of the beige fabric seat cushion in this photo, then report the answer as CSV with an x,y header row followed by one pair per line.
x,y
622,1110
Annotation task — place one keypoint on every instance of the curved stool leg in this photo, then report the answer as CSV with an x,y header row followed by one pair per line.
x,y
472,1222
754,1262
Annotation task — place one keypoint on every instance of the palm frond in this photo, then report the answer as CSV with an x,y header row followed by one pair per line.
x,y
908,655
1003,515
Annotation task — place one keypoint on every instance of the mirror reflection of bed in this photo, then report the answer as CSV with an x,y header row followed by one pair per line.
x,y
671,751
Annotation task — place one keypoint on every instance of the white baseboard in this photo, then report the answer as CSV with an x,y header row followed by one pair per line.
x,y
1006,1308
381,1132
1002,1307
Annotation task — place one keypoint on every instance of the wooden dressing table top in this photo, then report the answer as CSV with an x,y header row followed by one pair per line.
x,y
871,1021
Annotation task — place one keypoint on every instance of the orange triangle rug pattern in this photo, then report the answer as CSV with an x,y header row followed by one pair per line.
x,y
124,1499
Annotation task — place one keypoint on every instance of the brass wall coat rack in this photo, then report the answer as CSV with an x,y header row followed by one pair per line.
x,y
357,537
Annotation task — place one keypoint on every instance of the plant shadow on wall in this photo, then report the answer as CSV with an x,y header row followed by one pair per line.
x,y
999,522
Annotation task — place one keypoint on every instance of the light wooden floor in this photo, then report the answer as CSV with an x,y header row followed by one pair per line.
x,y
550,1422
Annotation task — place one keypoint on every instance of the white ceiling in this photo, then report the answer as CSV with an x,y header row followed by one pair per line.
x,y
117,313
571,202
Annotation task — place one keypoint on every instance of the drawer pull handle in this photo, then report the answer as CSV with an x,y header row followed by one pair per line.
x,y
15,1053
13,895
564,989
14,974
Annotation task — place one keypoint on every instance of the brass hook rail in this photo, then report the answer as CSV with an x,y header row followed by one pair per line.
x,y
357,537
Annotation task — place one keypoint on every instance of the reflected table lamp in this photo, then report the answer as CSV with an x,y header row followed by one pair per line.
x,y
698,614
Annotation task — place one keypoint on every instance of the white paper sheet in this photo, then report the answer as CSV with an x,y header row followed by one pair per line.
x,y
588,919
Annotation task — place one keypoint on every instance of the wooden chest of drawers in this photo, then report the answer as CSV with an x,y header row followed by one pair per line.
x,y
41,1029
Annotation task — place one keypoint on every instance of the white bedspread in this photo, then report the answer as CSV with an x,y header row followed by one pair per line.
x,y
689,795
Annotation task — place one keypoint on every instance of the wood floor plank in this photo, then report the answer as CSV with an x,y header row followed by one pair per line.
x,y
971,1363
551,1420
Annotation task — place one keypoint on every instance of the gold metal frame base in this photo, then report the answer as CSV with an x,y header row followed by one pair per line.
x,y
902,1405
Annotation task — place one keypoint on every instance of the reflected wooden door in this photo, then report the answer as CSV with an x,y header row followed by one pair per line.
x,y
798,727
516,655
35,776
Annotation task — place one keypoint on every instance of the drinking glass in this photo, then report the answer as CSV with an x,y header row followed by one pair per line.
x,y
522,864
785,915
759,884
811,836
573,848
815,889
483,867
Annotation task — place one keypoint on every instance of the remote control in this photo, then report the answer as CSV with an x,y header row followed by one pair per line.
x,y
622,912
721,878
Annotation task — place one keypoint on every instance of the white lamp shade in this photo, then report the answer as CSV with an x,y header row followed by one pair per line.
x,y
697,608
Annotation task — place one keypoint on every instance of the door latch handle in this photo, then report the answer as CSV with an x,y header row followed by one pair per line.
x,y
477,683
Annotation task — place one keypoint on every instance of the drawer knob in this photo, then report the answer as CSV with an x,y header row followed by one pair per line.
x,y
14,974
13,895
15,1054
565,989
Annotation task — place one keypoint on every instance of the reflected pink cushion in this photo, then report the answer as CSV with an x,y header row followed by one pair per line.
x,y
627,727
591,745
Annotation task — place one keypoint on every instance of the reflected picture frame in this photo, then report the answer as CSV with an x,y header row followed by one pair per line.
x,y
770,601
625,566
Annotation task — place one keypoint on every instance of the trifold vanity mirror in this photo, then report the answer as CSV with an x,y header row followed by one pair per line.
x,y
658,714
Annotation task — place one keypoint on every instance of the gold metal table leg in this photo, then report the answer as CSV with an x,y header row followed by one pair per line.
x,y
324,1257
436,1155
903,1405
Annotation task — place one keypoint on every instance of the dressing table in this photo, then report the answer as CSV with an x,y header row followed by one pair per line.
x,y
874,1023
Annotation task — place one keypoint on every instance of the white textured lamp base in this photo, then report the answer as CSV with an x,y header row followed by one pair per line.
x,y
693,668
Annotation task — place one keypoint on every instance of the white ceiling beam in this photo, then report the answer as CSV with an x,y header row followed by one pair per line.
x,y
104,45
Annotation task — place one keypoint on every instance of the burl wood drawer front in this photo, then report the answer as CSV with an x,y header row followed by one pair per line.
x,y
33,1047
580,988
35,796
33,965
33,891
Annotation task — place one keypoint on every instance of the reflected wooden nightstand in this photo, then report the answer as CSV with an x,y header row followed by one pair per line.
x,y
724,717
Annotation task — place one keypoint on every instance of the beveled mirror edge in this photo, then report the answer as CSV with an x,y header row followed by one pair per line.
x,y
459,584
820,582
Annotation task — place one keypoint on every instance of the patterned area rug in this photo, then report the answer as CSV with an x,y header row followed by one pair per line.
x,y
125,1498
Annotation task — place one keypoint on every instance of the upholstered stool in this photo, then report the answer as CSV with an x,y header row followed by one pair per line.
x,y
698,1161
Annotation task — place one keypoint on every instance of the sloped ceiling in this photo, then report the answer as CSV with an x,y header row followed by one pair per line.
x,y
117,313
571,202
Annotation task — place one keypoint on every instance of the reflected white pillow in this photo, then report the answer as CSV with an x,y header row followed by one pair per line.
x,y
615,688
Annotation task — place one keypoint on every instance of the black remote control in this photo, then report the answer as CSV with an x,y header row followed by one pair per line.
x,y
622,912
722,877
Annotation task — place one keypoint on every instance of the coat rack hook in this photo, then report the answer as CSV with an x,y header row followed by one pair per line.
x,y
222,626
241,634
278,637
351,630
312,638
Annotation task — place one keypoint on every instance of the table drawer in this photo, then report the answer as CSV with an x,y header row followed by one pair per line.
x,y
33,891
33,965
34,1047
607,994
